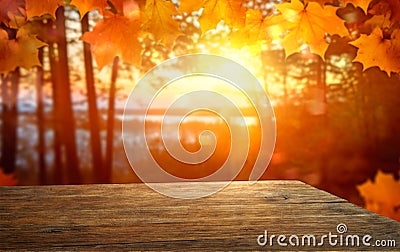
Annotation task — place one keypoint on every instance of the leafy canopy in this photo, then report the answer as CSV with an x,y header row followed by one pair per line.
x,y
115,36
231,11
375,48
308,24
18,52
370,26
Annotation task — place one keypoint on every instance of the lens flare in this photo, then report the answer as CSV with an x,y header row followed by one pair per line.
x,y
180,88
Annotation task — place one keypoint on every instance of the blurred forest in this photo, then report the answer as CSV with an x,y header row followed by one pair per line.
x,y
337,121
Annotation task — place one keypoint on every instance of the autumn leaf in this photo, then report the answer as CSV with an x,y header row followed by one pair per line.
x,y
159,21
117,5
376,50
12,12
39,8
115,36
4,53
363,4
394,8
231,11
254,29
7,179
308,24
130,9
380,21
85,6
19,52
389,8
321,2
382,196
340,46
257,28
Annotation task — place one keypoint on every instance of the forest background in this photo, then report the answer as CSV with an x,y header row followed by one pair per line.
x,y
330,68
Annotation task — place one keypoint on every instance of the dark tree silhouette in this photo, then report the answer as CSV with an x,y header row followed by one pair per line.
x,y
9,91
100,174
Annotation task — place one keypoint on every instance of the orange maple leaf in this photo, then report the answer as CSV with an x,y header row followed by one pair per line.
x,y
363,4
115,36
231,11
130,9
7,180
39,8
376,50
85,6
122,5
321,2
382,196
12,12
159,20
19,52
387,7
308,24
377,21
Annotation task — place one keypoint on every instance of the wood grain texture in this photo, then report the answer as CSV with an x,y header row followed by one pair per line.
x,y
133,217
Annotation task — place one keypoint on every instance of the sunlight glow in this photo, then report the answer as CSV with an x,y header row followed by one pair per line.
x,y
195,83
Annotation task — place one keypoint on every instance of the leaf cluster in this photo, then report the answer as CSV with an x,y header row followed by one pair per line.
x,y
371,26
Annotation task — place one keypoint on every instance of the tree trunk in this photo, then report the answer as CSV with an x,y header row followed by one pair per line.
x,y
97,157
64,117
110,123
58,164
10,121
67,119
40,122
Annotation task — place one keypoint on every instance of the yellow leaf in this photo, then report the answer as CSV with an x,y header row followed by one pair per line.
x,y
231,11
255,29
159,21
382,196
39,8
115,36
376,50
19,52
308,24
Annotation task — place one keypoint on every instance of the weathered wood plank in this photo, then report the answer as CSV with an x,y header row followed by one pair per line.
x,y
132,216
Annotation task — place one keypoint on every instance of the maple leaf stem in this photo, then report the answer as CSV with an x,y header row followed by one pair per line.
x,y
112,7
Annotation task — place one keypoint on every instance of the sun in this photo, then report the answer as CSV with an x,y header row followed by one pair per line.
x,y
192,83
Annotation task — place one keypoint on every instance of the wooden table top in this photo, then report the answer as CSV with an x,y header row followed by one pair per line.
x,y
240,217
